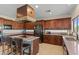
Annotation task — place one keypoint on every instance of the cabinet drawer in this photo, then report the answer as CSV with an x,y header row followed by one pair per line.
x,y
53,39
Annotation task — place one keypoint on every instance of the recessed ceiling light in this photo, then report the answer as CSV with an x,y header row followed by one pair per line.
x,y
69,4
50,13
36,6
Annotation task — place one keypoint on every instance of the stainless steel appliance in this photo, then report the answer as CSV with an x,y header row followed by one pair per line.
x,y
38,31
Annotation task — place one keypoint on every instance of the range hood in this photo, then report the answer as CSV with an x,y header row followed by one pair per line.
x,y
25,13
26,18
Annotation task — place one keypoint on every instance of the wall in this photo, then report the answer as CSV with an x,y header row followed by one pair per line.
x,y
75,13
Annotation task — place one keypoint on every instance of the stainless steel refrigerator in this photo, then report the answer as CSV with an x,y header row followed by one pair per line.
x,y
38,31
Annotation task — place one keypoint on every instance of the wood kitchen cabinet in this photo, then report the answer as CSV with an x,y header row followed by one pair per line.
x,y
62,23
30,25
66,23
35,47
17,25
53,39
14,24
1,21
47,25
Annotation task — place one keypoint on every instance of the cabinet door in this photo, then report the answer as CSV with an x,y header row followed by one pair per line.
x,y
29,25
53,39
35,47
1,21
59,40
47,24
46,39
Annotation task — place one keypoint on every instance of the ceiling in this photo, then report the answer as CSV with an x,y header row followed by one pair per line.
x,y
58,10
42,12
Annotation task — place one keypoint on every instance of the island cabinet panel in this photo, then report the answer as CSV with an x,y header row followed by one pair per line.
x,y
53,39
35,46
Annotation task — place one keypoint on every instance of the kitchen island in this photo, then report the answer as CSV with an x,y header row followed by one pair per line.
x,y
32,40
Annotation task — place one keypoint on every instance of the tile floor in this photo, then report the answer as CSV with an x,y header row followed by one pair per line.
x,y
46,49
49,49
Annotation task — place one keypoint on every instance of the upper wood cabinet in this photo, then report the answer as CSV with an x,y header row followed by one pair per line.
x,y
25,10
1,21
14,24
63,23
30,25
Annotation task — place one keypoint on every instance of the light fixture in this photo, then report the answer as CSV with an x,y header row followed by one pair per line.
x,y
50,13
69,4
36,6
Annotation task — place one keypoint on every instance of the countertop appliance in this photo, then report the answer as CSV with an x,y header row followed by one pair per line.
x,y
38,31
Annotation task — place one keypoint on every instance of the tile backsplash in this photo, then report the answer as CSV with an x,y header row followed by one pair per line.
x,y
8,32
56,31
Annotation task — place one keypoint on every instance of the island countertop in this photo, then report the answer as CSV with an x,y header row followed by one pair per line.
x,y
72,46
27,38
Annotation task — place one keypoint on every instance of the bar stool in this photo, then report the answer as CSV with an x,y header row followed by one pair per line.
x,y
19,45
13,46
16,45
6,44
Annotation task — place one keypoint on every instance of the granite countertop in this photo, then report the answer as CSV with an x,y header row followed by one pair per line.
x,y
72,46
60,34
27,38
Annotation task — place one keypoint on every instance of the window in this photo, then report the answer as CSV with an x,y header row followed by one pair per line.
x,y
75,24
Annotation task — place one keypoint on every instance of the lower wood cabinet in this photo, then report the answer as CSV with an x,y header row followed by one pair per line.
x,y
53,39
